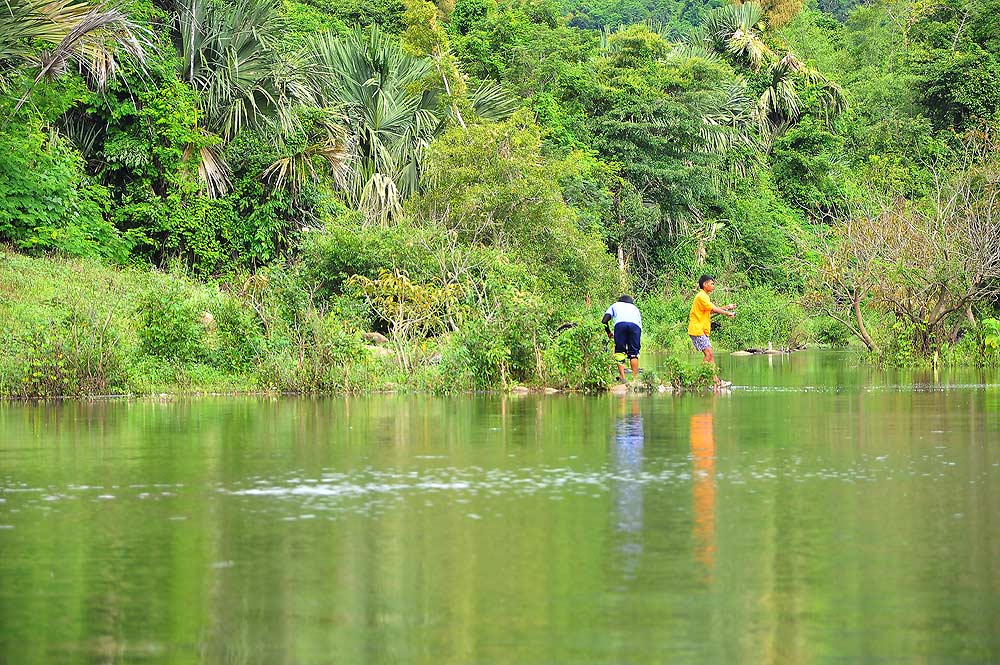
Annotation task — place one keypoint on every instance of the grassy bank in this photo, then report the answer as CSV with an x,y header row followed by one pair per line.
x,y
80,327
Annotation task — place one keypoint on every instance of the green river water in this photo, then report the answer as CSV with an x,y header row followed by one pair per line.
x,y
821,512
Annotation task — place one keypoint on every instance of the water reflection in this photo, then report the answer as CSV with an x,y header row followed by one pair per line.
x,y
703,492
628,488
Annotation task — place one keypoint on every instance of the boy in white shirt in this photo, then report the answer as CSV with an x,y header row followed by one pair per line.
x,y
627,334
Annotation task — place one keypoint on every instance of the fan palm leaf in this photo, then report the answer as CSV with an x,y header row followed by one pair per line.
x,y
392,103
228,55
736,30
392,112
492,103
92,36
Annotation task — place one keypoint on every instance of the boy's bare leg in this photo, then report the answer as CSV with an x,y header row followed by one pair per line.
x,y
710,359
634,362
621,372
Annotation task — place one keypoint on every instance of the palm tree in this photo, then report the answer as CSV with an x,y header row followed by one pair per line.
x,y
391,114
736,33
228,55
74,31
736,30
392,102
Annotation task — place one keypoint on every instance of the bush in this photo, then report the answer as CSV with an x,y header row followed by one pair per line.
x,y
579,358
829,331
168,324
762,317
483,349
315,353
238,339
663,319
79,357
343,247
896,345
685,376
757,236
46,203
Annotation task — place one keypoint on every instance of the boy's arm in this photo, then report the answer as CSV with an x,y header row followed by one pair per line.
x,y
607,328
727,310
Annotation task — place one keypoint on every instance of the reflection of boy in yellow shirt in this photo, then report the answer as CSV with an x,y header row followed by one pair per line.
x,y
700,319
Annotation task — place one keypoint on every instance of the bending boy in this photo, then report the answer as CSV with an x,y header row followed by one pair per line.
x,y
627,334
700,320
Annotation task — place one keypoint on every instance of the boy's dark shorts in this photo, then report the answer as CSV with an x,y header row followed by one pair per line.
x,y
627,339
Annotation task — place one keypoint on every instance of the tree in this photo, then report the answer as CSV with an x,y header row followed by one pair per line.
x,y
393,109
229,55
490,187
661,116
927,262
737,34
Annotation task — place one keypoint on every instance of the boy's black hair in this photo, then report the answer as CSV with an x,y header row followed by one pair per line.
x,y
626,298
703,279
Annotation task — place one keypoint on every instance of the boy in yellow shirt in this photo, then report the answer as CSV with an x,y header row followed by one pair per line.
x,y
700,321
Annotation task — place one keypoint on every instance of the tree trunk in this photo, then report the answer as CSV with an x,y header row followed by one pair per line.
x,y
621,266
862,331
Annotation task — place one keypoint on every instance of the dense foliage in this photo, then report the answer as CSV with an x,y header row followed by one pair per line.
x,y
476,179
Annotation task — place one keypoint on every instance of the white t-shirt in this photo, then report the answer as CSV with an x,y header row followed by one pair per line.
x,y
625,312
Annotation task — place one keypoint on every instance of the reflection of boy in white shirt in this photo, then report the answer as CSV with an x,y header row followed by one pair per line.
x,y
627,334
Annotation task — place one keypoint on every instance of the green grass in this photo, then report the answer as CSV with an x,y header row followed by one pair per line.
x,y
55,304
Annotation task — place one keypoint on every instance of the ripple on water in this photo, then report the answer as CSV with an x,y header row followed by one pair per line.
x,y
333,491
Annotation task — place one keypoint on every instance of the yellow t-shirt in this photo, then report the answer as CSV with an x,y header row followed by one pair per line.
x,y
700,319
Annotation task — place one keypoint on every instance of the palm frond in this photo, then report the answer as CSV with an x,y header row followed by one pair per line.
x,y
90,35
491,102
213,170
686,51
736,30
227,55
391,108
380,200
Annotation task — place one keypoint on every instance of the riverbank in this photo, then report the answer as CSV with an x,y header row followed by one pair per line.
x,y
82,328
79,327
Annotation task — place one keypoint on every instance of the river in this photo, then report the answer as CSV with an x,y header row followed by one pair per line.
x,y
821,512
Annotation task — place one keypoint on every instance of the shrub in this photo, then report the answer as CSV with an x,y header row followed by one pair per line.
x,y
46,370
314,354
484,350
168,324
579,358
829,331
45,203
79,357
685,376
763,316
663,319
650,380
343,248
238,339
896,345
